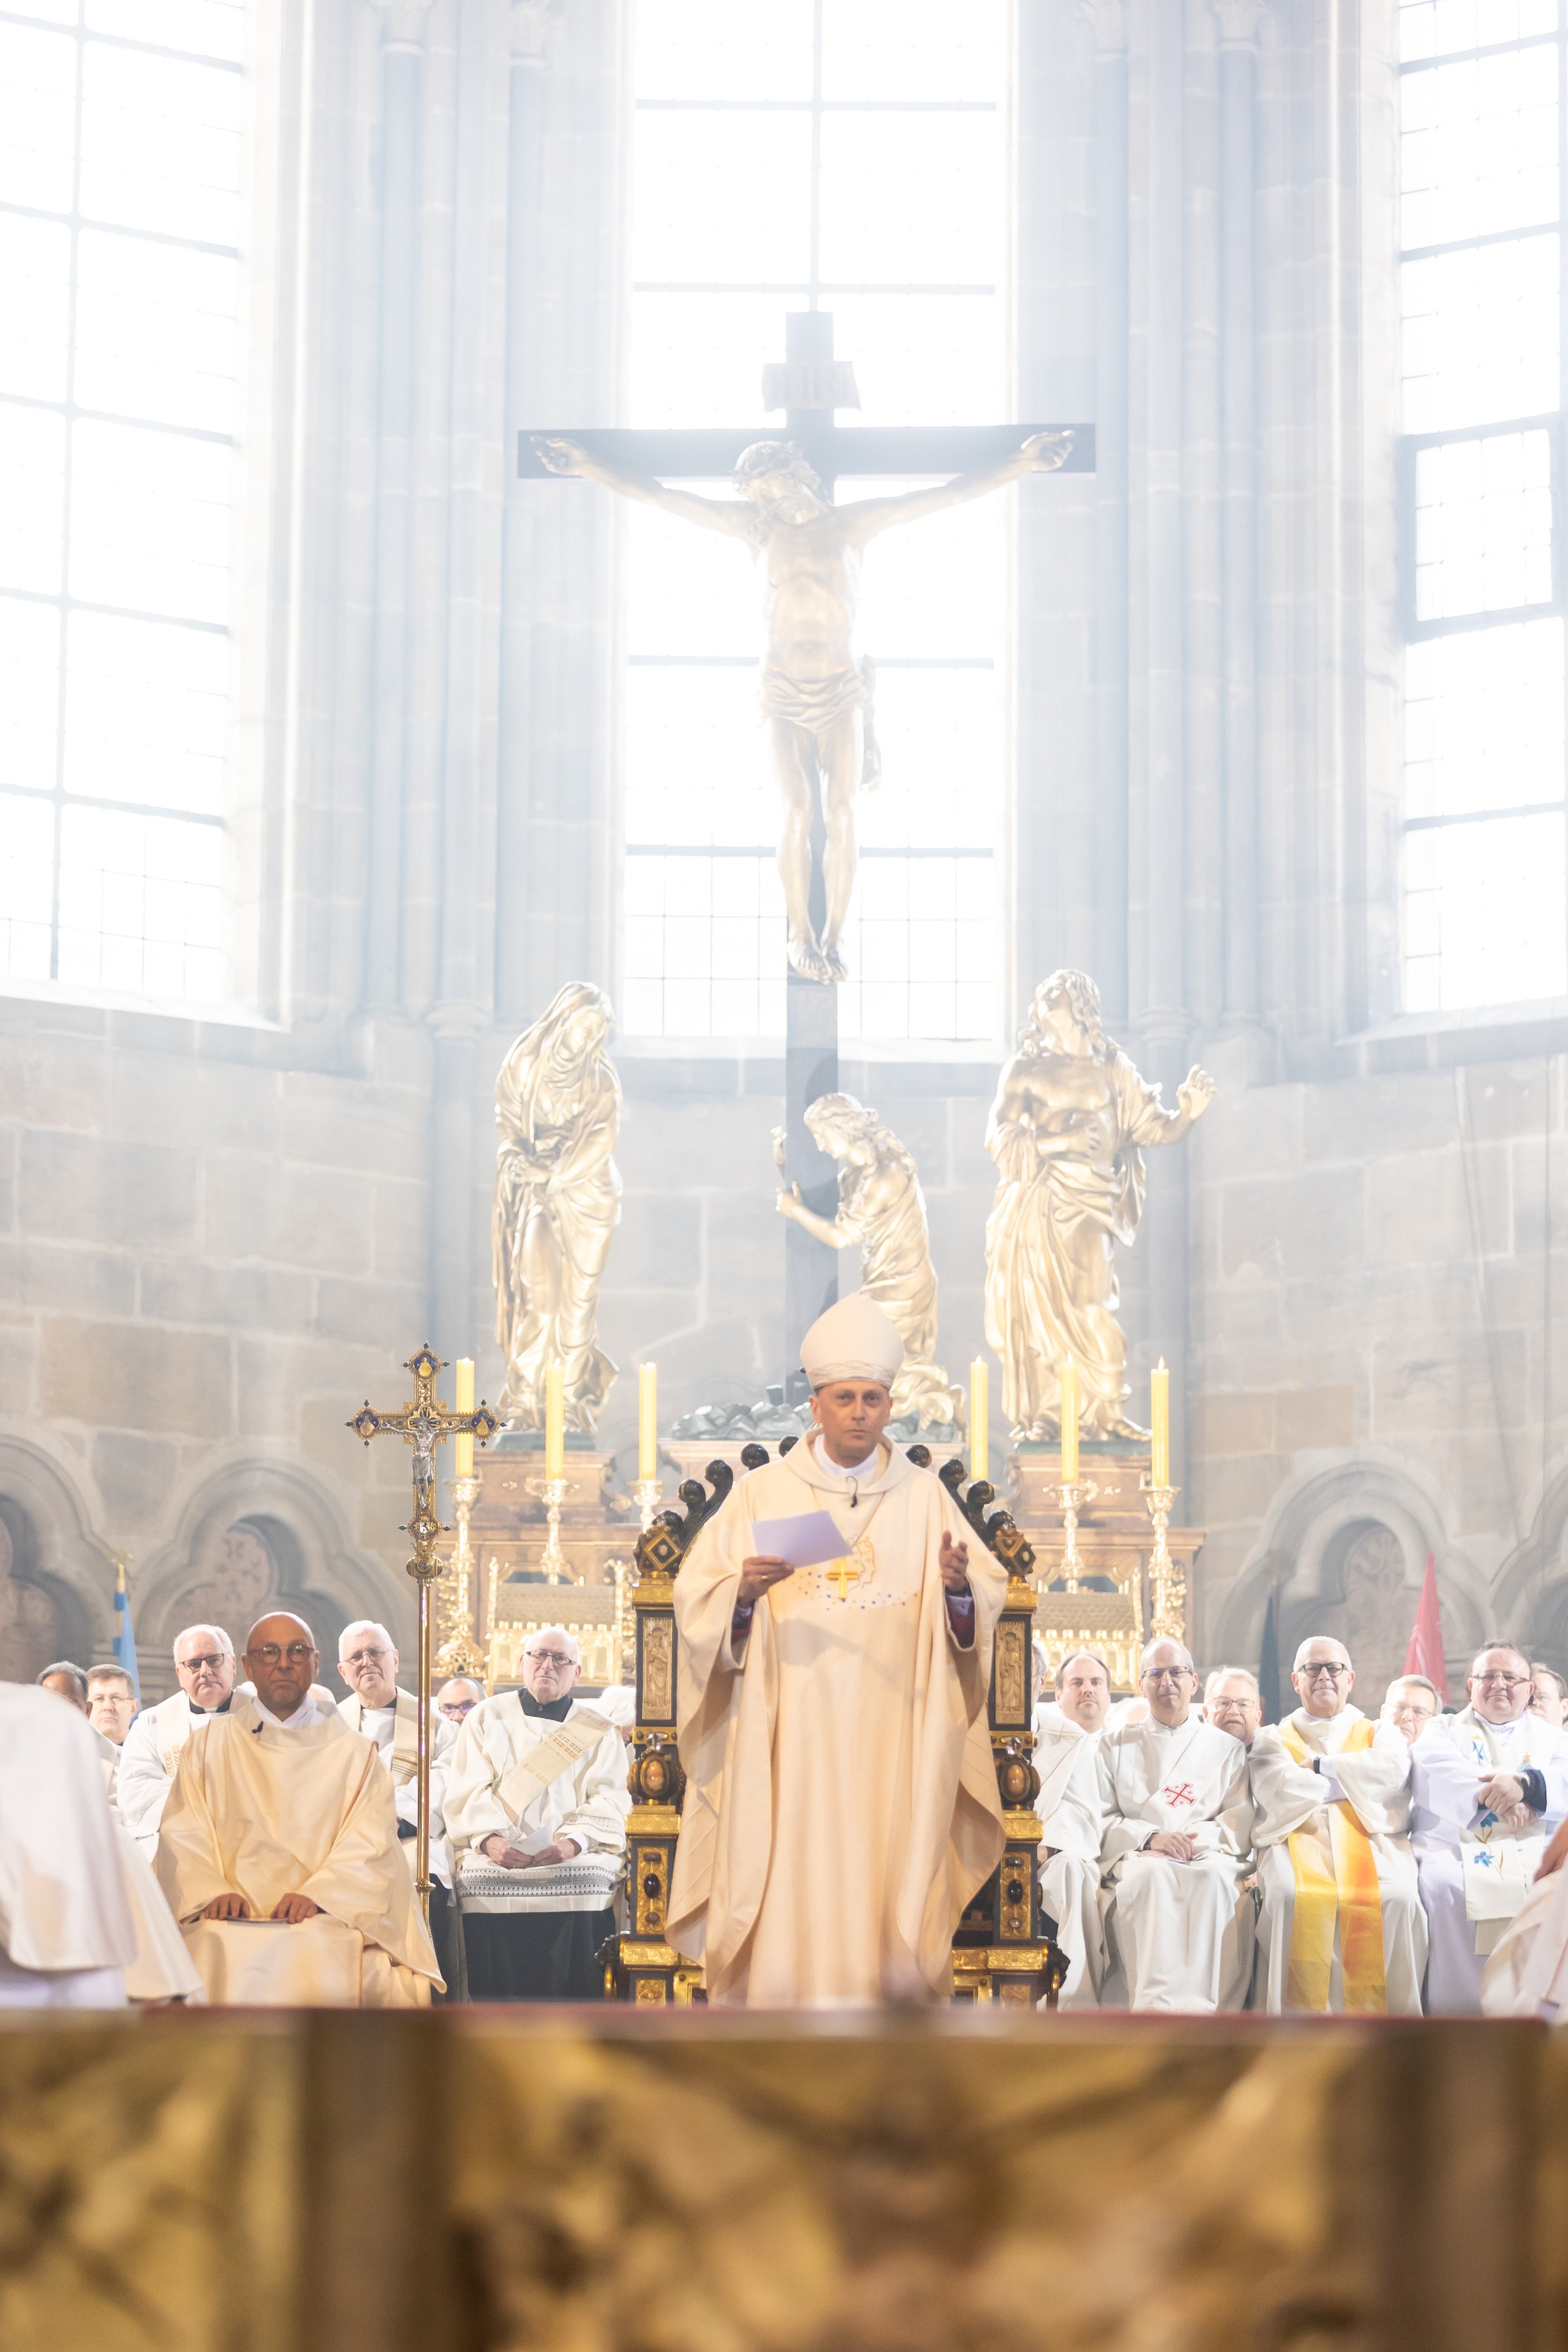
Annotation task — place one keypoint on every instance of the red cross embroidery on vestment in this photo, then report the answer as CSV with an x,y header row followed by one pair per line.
x,y
1182,1793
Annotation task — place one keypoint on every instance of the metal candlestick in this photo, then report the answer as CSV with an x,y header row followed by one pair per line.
x,y
1167,1584
1073,1498
647,1493
459,1653
552,1560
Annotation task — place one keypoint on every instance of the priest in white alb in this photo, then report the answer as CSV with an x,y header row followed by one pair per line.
x,y
1489,1787
389,1717
1177,1831
841,1804
537,1804
204,1668
278,1848
1066,1746
1341,1925
67,1934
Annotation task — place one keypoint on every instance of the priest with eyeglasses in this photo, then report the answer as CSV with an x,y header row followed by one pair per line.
x,y
1490,1786
278,1850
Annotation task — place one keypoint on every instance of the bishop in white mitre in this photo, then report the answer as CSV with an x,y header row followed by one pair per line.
x,y
67,1931
1489,1786
389,1717
1342,1926
1067,1735
205,1667
278,1849
537,1803
1176,1832
841,1804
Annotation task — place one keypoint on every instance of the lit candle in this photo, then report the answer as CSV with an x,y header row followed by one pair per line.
x,y
1159,1426
1070,1423
556,1422
465,1403
648,1421
979,1418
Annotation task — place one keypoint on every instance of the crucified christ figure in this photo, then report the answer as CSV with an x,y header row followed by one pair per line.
x,y
814,689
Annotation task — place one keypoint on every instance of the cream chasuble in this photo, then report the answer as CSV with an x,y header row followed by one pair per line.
x,y
1475,1873
1342,1926
534,1780
264,1810
1178,1935
1068,1807
67,1932
841,1804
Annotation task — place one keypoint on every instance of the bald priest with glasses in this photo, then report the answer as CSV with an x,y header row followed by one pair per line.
x,y
279,1852
1341,1927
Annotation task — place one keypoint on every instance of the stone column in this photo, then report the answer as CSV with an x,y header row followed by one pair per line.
x,y
1239,22
402,76
1107,19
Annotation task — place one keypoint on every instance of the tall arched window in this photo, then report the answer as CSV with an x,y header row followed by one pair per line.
x,y
844,155
1486,882
120,172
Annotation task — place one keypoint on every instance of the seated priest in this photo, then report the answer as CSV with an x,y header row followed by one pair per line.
x,y
1487,1787
379,1711
1069,1810
159,1969
278,1848
1232,1703
1342,1926
456,1699
1410,1704
536,1807
204,1668
111,1702
841,1804
1176,1834
66,1934
1547,1694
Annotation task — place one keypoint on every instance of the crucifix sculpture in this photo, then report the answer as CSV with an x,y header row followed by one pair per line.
x,y
423,1423
813,685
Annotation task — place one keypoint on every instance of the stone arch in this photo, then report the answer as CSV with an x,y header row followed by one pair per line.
x,y
56,1585
1532,1602
255,1535
1346,1547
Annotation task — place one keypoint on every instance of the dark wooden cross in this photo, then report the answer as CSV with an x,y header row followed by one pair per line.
x,y
809,385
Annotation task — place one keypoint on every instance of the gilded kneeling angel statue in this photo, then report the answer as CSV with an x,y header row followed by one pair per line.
x,y
882,1213
557,1204
1067,1131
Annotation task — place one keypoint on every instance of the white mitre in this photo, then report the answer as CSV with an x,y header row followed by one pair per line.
x,y
853,1342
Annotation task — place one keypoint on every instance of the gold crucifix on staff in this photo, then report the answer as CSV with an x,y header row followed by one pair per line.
x,y
423,1423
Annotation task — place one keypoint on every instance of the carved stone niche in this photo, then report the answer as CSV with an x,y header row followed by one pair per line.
x,y
1366,1603
255,1565
37,1622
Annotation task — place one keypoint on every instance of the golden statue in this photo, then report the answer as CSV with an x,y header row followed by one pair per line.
x,y
1066,1131
881,1212
558,1203
813,687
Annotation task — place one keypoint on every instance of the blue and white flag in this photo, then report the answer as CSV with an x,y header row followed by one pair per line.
x,y
124,1632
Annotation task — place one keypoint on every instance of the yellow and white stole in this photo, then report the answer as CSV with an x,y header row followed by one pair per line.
x,y
1336,1886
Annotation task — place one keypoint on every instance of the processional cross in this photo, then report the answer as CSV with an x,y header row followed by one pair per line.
x,y
813,684
423,1424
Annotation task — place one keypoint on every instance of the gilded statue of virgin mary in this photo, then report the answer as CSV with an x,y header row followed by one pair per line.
x,y
1068,1128
557,1204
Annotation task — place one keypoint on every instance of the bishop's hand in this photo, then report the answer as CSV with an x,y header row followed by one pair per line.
x,y
227,1907
1556,1854
1046,451
1175,1843
294,1908
760,1575
1501,1794
953,1561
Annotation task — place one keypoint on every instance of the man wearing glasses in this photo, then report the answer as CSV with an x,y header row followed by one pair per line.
x,y
206,1666
1342,1926
1176,1818
536,1808
1491,1785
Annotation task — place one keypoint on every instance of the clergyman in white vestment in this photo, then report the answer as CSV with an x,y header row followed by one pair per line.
x,y
206,1667
278,1850
537,1804
841,1804
67,1935
1341,1925
1489,1786
389,1718
1068,1807
1176,1841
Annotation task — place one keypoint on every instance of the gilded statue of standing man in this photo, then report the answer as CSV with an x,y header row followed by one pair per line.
x,y
814,690
1067,1131
557,1204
